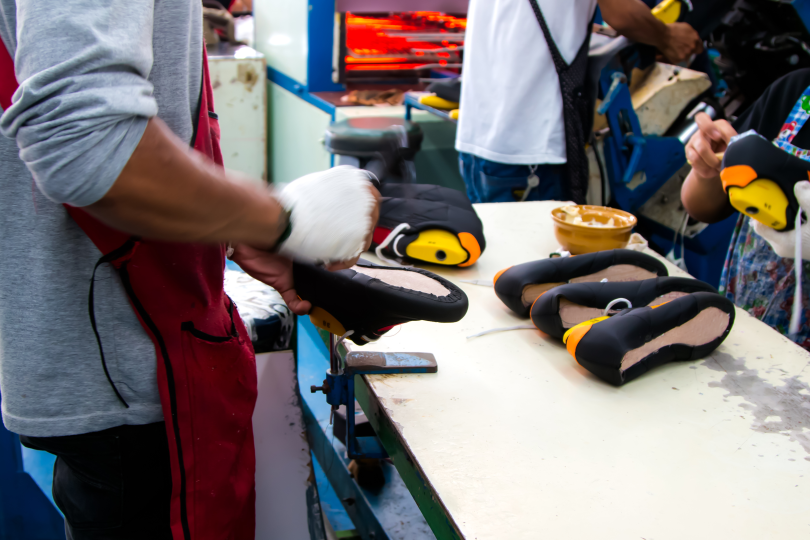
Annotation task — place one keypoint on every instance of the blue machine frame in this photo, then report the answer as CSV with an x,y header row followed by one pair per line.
x,y
321,36
627,153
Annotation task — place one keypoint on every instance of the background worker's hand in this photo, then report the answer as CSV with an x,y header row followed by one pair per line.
x,y
711,138
784,243
680,43
274,270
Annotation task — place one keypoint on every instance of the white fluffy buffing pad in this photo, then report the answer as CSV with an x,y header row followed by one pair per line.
x,y
329,215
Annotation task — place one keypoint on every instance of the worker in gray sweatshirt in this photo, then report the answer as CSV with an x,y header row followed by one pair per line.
x,y
119,351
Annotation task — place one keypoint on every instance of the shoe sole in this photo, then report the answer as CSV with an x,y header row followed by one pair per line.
x,y
408,280
706,327
616,273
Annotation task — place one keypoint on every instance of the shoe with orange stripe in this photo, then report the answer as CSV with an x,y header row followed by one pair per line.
x,y
369,299
519,286
568,305
759,177
621,347
427,223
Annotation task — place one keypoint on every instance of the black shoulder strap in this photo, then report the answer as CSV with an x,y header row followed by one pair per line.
x,y
559,63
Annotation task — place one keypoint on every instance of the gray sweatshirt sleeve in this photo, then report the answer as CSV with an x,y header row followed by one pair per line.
x,y
84,96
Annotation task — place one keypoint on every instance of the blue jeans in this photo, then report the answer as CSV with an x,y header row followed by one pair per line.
x,y
488,181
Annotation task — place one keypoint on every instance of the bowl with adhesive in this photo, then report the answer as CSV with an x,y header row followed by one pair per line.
x,y
583,228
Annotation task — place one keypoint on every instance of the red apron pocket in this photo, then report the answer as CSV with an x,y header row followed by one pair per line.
x,y
220,372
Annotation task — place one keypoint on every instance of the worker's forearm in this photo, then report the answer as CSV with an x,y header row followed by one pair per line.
x,y
169,192
633,19
704,199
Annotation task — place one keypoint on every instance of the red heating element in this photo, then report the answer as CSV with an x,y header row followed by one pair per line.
x,y
411,40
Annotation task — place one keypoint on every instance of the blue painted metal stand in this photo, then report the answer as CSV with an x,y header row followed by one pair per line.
x,y
639,165
25,511
339,388
390,513
412,102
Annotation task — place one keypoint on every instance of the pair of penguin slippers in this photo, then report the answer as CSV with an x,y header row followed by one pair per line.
x,y
618,312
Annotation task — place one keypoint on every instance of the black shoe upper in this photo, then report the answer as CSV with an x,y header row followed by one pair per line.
x,y
509,286
545,312
602,349
427,192
368,305
425,207
772,163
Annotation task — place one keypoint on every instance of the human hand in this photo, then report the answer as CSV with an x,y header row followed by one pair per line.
x,y
274,270
712,137
784,243
333,216
680,43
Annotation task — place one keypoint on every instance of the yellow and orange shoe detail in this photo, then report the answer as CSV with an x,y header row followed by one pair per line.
x,y
737,176
575,334
469,243
439,247
499,274
323,319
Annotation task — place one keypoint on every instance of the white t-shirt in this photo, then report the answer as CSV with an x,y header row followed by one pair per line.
x,y
511,106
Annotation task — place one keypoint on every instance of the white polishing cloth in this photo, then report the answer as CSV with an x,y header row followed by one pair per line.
x,y
329,215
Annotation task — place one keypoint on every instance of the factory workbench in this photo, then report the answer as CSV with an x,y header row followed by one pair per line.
x,y
511,439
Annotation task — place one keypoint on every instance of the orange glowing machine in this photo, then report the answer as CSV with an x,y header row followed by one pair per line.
x,y
404,46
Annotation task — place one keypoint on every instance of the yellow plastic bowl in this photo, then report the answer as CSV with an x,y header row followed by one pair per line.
x,y
581,238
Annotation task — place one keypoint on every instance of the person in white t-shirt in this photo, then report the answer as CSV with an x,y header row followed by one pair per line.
x,y
511,133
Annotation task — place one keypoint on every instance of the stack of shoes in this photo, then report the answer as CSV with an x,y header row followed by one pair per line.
x,y
617,312
364,302
428,223
444,94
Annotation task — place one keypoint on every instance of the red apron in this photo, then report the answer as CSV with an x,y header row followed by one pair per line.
x,y
205,363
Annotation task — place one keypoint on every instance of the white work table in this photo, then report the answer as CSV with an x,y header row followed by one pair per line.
x,y
511,439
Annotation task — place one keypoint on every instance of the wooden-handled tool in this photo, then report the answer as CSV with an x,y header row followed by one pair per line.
x,y
718,154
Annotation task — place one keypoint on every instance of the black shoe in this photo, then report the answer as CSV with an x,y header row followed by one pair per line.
x,y
427,192
440,225
369,299
759,177
519,286
628,344
566,306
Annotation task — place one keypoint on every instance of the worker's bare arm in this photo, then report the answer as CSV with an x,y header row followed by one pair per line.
x,y
633,19
702,193
168,192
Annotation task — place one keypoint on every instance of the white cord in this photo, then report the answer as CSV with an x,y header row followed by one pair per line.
x,y
481,282
617,301
798,262
393,234
342,362
506,329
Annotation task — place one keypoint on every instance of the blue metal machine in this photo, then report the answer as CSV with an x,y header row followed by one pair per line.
x,y
641,168
339,387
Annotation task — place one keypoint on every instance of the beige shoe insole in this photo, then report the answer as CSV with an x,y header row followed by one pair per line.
x,y
572,314
405,279
703,329
617,273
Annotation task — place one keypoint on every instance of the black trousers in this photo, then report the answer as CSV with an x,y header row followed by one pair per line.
x,y
112,484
